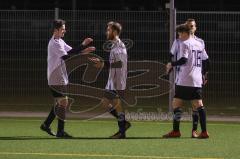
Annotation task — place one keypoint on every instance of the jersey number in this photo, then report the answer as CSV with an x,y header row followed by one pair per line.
x,y
197,58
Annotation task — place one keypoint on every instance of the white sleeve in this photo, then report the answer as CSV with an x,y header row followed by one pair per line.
x,y
120,55
203,43
185,51
175,47
67,47
59,49
205,55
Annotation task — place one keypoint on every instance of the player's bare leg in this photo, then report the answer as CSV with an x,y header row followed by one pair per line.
x,y
177,113
198,104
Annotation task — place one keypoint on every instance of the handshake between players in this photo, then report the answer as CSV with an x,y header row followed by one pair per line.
x,y
96,61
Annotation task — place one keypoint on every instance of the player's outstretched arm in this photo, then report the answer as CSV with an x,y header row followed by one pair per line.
x,y
88,50
80,49
87,41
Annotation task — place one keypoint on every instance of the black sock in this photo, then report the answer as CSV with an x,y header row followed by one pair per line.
x,y
113,111
202,116
177,113
194,120
121,122
60,125
60,112
50,118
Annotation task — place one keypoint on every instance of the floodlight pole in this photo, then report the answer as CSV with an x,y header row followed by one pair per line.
x,y
56,13
74,7
172,25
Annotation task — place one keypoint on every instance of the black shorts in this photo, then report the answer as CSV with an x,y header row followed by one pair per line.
x,y
56,93
113,94
188,93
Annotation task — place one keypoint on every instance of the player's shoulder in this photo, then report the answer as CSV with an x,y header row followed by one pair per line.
x,y
193,43
191,40
199,39
56,41
121,44
119,47
189,43
177,41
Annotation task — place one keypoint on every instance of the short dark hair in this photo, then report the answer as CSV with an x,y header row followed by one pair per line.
x,y
115,26
58,23
183,28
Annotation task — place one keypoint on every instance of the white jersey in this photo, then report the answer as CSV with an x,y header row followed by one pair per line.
x,y
117,76
190,74
56,72
176,48
205,57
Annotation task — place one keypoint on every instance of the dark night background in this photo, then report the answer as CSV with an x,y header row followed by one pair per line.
x,y
136,5
25,31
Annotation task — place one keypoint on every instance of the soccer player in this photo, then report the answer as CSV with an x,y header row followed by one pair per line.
x,y
205,66
116,84
188,79
58,51
192,25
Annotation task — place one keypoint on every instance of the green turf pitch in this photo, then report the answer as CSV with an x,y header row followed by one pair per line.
x,y
22,139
